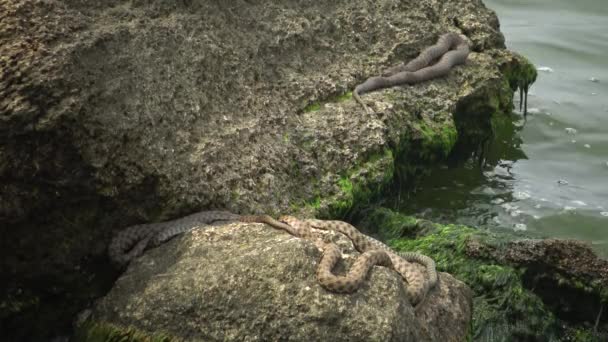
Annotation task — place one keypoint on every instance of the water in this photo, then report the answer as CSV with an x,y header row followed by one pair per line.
x,y
549,174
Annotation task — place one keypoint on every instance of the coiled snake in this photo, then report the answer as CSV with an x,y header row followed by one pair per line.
x,y
373,252
451,49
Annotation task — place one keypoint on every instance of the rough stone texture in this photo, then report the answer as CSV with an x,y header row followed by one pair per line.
x,y
128,111
572,257
201,103
219,283
566,274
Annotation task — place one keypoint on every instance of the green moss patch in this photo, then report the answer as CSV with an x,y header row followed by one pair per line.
x,y
315,106
507,306
358,187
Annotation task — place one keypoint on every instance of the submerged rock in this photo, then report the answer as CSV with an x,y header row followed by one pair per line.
x,y
249,282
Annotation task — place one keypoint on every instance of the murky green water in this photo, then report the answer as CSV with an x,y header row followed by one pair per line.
x,y
549,174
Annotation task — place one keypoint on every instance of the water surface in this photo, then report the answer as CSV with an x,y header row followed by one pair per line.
x,y
548,174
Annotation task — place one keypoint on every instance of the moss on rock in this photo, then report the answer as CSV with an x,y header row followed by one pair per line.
x,y
507,306
357,187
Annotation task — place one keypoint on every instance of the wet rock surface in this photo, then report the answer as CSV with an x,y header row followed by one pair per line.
x,y
251,282
566,274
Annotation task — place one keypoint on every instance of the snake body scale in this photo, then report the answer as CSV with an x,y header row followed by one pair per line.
x,y
131,242
451,49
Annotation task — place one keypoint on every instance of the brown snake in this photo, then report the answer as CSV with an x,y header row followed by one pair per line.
x,y
131,242
451,49
373,253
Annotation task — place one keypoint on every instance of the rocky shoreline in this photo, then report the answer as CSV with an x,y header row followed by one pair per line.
x,y
125,112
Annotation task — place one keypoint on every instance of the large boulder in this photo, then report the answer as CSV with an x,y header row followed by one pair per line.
x,y
249,282
120,112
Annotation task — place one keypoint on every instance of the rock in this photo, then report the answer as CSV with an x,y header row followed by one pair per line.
x,y
566,274
122,112
249,282
575,258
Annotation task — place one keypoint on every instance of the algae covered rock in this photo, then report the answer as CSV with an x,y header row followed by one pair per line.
x,y
249,282
525,288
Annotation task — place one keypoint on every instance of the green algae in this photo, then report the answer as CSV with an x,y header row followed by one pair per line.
x,y
315,106
358,186
361,184
506,308
437,142
481,114
500,300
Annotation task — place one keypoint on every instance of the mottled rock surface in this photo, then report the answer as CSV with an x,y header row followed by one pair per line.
x,y
249,282
566,274
128,111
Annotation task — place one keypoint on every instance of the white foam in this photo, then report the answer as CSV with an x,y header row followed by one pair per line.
x,y
520,226
579,203
521,195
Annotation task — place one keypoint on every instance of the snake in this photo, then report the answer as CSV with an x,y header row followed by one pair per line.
x,y
451,49
401,260
373,252
134,240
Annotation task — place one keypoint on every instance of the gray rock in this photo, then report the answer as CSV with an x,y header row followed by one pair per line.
x,y
249,282
121,112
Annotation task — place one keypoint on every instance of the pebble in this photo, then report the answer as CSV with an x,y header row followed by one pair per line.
x,y
544,68
593,79
570,130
